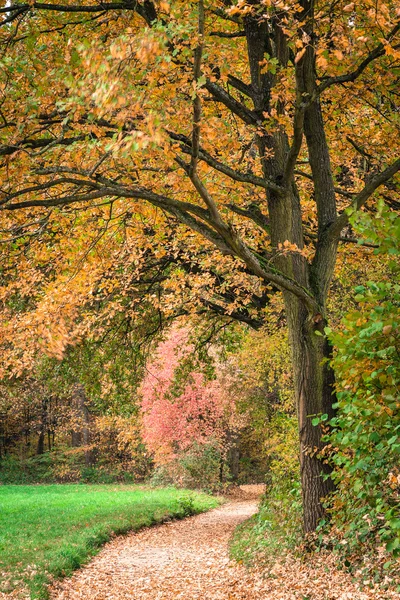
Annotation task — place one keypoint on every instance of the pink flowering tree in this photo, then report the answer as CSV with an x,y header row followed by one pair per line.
x,y
182,412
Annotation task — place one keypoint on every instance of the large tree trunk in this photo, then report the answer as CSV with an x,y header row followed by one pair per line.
x,y
312,375
314,381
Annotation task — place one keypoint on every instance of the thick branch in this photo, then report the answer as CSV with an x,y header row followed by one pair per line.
x,y
224,168
378,51
91,8
254,214
210,226
228,35
146,9
44,186
241,86
31,144
298,125
198,53
236,315
220,12
220,95
362,197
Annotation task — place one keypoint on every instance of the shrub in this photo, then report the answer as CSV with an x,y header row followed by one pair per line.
x,y
201,467
38,469
275,529
365,434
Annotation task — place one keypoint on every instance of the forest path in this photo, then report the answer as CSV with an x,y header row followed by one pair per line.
x,y
185,559
189,560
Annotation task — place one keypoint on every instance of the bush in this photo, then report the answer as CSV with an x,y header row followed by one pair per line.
x,y
186,505
63,467
38,469
201,467
365,434
275,529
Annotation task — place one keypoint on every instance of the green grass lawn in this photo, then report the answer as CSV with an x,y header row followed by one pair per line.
x,y
47,531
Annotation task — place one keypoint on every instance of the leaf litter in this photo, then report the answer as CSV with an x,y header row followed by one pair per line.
x,y
189,560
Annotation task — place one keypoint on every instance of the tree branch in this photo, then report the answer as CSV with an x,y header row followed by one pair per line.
x,y
31,144
186,146
146,9
239,85
227,35
378,51
198,53
298,125
236,315
220,95
361,198
254,214
338,190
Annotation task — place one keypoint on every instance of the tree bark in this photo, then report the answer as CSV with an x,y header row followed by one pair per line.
x,y
313,379
82,436
42,427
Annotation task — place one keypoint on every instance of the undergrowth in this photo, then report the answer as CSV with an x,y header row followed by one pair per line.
x,y
274,530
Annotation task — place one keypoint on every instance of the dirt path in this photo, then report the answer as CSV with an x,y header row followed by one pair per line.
x,y
188,560
182,559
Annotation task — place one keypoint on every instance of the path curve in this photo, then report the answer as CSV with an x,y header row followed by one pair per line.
x,y
178,560
188,560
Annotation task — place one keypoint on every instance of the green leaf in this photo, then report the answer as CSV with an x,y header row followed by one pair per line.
x,y
393,544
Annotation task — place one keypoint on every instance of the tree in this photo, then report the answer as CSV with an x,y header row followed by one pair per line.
x,y
233,134
81,412
185,409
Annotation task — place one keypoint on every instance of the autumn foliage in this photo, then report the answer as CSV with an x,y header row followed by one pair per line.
x,y
167,159
184,412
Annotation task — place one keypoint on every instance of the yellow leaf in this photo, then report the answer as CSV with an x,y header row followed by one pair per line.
x,y
299,55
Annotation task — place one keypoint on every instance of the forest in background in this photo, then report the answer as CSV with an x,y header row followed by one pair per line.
x,y
200,240
211,405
